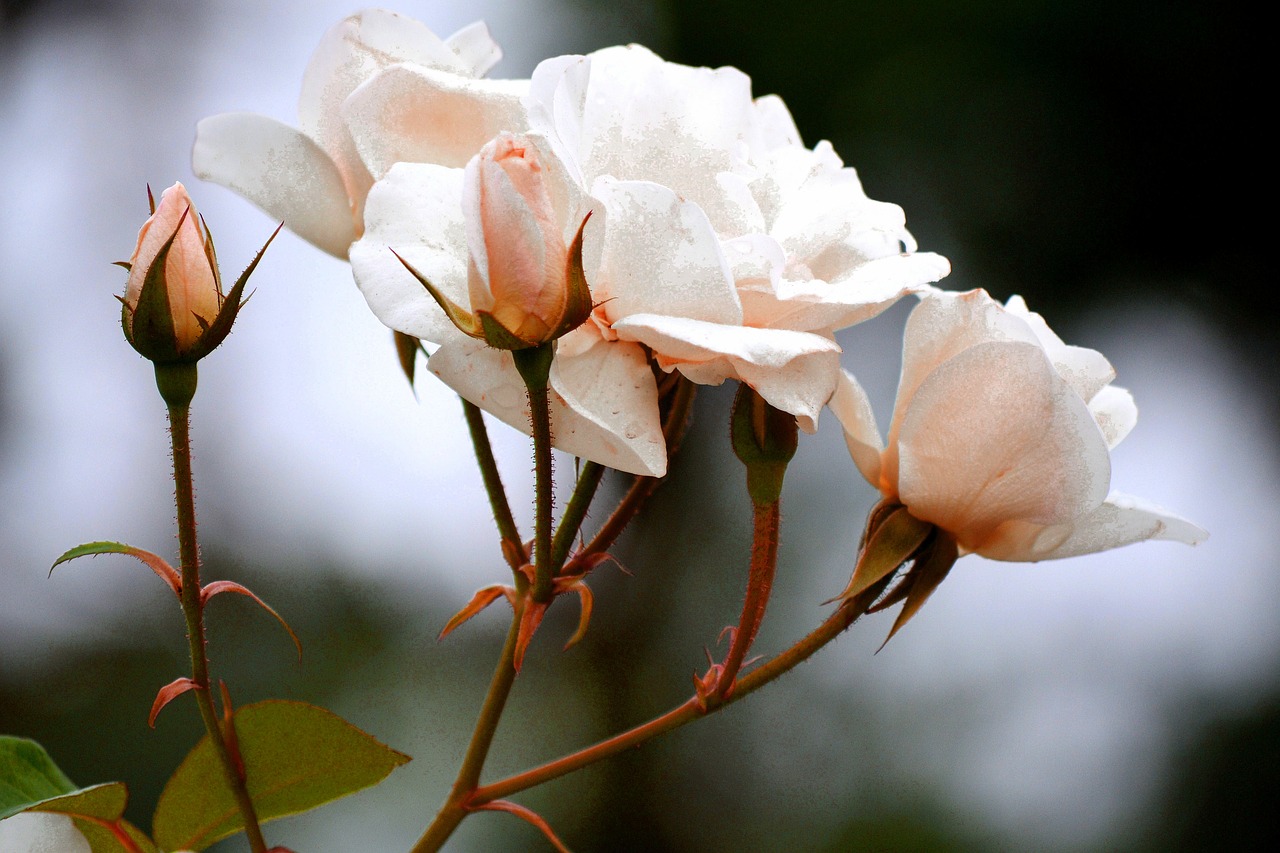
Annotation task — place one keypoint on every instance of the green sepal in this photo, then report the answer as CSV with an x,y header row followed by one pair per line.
x,y
407,347
296,757
931,568
578,295
231,303
893,542
499,336
765,440
466,322
150,330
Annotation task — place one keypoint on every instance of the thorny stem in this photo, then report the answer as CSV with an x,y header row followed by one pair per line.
x,y
764,561
460,800
492,479
692,709
193,610
534,365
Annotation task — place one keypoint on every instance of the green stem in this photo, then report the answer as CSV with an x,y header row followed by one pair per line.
x,y
193,610
692,709
534,365
459,802
492,479
764,561
574,512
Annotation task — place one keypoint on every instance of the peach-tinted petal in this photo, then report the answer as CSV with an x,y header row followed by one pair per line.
x,y
852,408
417,211
943,325
281,171
1120,520
994,434
1087,370
412,113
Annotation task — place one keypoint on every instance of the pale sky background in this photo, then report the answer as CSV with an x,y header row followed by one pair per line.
x,y
1069,674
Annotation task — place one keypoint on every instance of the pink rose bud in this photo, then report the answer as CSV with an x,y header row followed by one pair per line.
x,y
174,307
526,283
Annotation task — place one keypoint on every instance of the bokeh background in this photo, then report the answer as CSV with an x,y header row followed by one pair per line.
x,y
1103,159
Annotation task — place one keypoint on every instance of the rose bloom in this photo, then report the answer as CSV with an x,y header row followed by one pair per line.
x,y
1001,436
313,178
190,278
718,245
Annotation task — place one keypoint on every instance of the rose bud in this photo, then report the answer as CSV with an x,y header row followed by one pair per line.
x,y
174,308
525,283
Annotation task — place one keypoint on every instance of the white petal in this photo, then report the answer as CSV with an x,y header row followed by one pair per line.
x,y
774,126
1116,413
350,53
862,294
281,171
1121,520
852,408
607,412
793,371
658,255
41,832
628,114
475,48
994,435
417,211
611,387
416,114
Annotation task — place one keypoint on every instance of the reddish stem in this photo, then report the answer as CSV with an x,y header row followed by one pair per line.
x,y
764,561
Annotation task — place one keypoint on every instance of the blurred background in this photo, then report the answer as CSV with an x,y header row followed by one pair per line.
x,y
1098,158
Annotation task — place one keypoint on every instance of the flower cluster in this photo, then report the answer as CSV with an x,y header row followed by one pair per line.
x,y
716,245
647,219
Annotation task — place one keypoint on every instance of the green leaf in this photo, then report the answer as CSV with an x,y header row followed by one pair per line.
x,y
30,781
28,776
163,570
296,757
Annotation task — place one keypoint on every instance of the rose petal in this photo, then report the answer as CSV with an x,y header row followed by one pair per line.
x,y
1116,413
475,48
412,113
852,408
1087,370
943,325
793,371
1120,520
280,170
417,211
607,412
658,254
995,434
624,112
